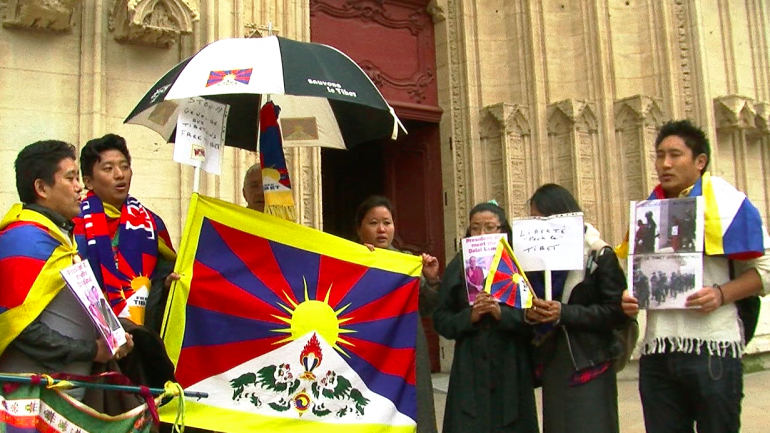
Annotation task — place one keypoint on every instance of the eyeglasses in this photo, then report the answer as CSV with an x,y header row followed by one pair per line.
x,y
487,228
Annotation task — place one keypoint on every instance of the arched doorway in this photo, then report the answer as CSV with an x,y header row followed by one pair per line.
x,y
392,40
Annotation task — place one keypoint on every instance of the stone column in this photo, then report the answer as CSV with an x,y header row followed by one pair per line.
x,y
758,152
734,116
506,143
637,120
573,139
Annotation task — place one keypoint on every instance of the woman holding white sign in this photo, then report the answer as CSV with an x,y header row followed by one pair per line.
x,y
491,387
575,341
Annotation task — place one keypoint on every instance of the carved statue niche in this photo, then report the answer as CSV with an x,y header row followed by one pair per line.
x,y
50,15
152,22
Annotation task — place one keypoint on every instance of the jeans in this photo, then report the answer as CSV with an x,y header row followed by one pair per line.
x,y
682,389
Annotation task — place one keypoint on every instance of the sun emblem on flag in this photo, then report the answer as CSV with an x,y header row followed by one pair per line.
x,y
313,315
229,77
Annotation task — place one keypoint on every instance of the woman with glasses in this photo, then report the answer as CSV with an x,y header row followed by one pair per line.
x,y
574,334
490,386
375,229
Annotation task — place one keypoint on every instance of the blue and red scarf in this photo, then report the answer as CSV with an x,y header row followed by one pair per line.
x,y
279,200
125,269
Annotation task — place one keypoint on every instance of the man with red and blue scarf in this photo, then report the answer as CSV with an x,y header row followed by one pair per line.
x,y
44,327
690,371
126,244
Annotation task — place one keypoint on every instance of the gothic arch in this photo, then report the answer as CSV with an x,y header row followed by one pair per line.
x,y
152,22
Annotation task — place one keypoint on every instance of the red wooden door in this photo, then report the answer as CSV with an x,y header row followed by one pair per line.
x,y
393,41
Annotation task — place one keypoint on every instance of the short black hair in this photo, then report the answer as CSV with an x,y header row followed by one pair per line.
x,y
505,226
92,151
39,160
692,136
552,199
369,204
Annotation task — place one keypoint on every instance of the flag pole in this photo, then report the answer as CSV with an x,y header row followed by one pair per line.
x,y
105,386
196,179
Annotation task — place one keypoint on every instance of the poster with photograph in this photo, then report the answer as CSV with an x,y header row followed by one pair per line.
x,y
82,281
666,226
664,281
552,243
478,252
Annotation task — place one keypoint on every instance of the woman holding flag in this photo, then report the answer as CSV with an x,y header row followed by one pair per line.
x,y
490,386
375,228
574,338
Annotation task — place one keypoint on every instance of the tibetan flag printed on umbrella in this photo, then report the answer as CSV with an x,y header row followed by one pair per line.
x,y
506,281
290,329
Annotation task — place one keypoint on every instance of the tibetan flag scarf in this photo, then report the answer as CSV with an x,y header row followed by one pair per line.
x,y
32,253
275,176
125,270
732,225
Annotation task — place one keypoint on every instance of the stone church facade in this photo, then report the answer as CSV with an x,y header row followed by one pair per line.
x,y
532,91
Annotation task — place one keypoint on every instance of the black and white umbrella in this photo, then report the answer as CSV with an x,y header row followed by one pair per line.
x,y
326,99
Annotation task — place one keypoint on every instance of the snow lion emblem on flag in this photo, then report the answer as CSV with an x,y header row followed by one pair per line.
x,y
289,328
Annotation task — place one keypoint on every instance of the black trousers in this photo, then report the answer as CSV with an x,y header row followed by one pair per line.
x,y
682,390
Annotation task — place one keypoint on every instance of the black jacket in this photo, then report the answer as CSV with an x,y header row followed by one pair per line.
x,y
594,311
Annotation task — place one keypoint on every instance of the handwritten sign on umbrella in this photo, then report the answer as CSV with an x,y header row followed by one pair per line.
x,y
200,132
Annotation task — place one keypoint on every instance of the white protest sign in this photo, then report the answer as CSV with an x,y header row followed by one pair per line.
x,y
552,243
82,281
200,134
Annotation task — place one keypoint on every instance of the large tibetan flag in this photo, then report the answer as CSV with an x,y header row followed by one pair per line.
x,y
732,225
290,329
506,281
32,253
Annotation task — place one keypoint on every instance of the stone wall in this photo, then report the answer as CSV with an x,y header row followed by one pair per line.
x,y
573,92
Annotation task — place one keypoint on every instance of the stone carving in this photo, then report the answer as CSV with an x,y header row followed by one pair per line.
x,y
254,30
414,86
573,137
578,114
763,117
637,119
152,22
372,10
459,148
734,111
49,15
686,62
505,133
436,10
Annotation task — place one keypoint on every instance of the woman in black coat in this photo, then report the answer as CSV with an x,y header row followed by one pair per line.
x,y
576,345
490,386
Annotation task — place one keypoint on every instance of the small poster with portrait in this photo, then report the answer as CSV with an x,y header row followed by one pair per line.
x,y
81,280
478,252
